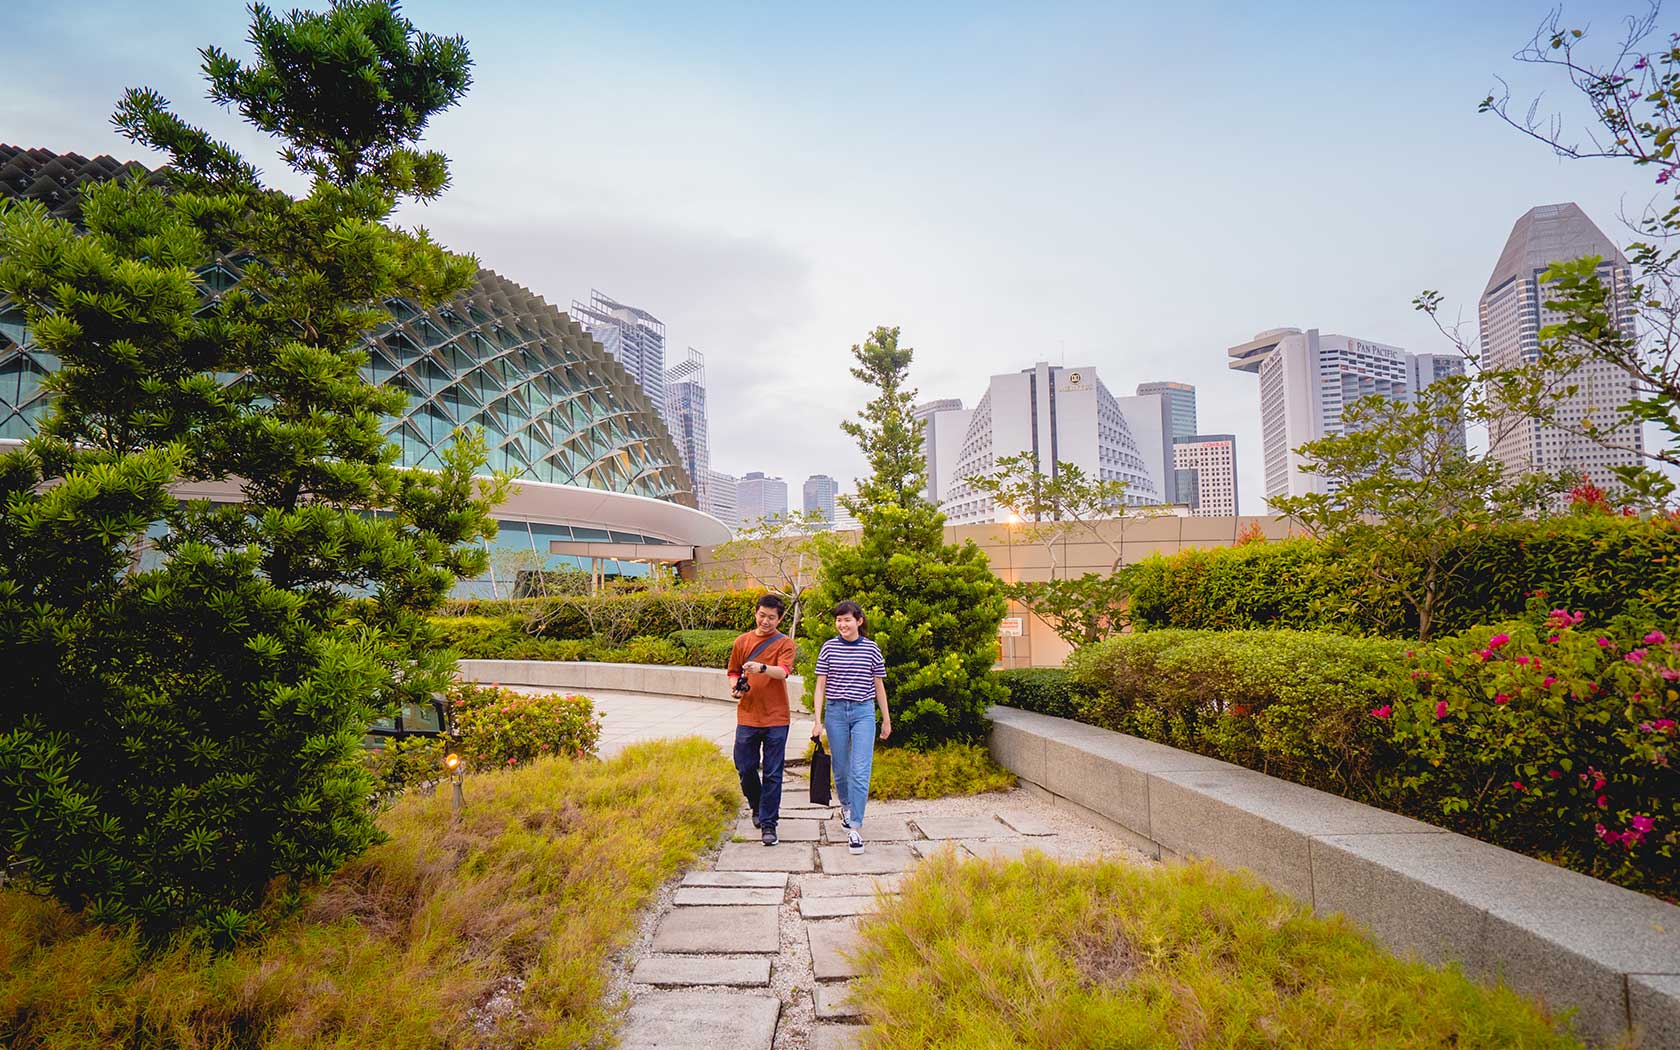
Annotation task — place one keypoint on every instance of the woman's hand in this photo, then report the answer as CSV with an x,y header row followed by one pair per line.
x,y
886,728
820,734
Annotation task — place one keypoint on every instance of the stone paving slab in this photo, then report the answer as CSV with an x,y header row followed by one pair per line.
x,y
878,859
1026,825
834,907
760,879
831,942
1007,849
928,847
688,970
690,896
753,856
878,829
703,1020
788,830
699,930
848,885
838,1036
834,1002
961,827
801,805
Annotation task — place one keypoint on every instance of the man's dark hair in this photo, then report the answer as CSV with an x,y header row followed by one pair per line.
x,y
852,609
773,601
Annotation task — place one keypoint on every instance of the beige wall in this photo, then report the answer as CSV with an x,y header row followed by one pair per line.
x,y
1016,557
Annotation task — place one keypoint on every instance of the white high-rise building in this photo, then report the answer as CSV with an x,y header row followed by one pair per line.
x,y
1306,381
758,496
1211,461
819,493
1512,313
632,335
945,424
1056,415
685,417
1180,485
721,500
1150,419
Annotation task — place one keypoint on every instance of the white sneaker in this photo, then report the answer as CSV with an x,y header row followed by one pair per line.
x,y
845,816
854,842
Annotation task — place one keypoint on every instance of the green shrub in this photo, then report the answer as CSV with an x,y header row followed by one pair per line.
x,y
1558,741
618,616
1046,690
1290,703
647,651
709,648
499,727
1603,565
407,762
479,637
950,769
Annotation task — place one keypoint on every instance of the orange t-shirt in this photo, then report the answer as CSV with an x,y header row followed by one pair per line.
x,y
766,704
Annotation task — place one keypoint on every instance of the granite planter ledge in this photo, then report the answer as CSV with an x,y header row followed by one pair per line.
x,y
1611,954
688,683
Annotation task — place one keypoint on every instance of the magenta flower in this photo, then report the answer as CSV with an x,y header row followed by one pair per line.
x,y
1498,640
1663,725
1671,675
1635,656
1518,785
1441,710
1486,654
1604,643
1603,801
1643,824
1549,682
1382,712
1552,640
1554,774
1502,699
1656,638
1522,661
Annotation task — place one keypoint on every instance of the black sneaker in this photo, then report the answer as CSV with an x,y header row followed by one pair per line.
x,y
770,834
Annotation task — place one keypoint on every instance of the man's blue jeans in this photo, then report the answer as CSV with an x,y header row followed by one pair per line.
x,y
851,742
764,794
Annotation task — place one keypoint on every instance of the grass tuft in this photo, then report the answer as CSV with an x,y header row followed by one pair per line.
x,y
941,772
1040,954
540,881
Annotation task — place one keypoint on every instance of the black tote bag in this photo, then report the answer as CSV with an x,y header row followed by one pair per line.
x,y
822,772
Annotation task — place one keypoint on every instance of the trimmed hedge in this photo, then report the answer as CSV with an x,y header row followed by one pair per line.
x,y
1558,741
1047,690
1602,565
618,617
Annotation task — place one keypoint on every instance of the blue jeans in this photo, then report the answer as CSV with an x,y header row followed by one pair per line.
x,y
763,795
851,740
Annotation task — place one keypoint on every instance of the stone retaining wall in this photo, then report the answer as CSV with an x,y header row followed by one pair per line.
x,y
692,683
1574,941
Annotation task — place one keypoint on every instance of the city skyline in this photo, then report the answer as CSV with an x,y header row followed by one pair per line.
x,y
718,188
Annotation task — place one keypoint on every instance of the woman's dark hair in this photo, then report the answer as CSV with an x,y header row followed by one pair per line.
x,y
772,601
852,609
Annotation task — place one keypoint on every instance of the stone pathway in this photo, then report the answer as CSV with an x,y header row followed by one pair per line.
x,y
630,718
752,951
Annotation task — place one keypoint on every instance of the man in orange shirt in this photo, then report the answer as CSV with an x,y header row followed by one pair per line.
x,y
759,665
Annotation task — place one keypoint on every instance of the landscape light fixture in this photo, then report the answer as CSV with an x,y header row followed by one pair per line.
x,y
457,773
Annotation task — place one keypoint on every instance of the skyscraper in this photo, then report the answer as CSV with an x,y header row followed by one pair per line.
x,y
685,417
820,491
1181,409
758,497
1054,415
1512,313
1211,462
632,335
722,500
944,423
1306,381
1424,369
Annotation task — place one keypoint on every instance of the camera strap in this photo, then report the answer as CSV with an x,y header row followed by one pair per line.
x,y
767,643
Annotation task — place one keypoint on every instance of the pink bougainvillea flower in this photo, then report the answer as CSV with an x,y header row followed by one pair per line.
x,y
1441,709
1603,643
1486,654
1410,653
1414,674
1518,785
1636,656
1549,682
1382,712
1552,639
1604,833
1663,725
1656,638
1603,801
1522,661
1554,774
1671,675
1643,824
1447,660
1502,698
1498,640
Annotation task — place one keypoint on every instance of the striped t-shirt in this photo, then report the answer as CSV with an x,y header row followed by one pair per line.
x,y
851,669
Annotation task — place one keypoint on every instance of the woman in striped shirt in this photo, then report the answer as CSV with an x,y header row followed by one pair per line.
x,y
851,680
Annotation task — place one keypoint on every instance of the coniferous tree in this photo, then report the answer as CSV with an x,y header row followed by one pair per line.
x,y
932,607
182,731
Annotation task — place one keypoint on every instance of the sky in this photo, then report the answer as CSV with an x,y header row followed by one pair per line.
x,y
1132,191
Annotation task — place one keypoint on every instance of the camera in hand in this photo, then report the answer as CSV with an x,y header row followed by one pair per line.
x,y
742,687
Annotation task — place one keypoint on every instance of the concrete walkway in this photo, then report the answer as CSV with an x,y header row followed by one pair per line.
x,y
630,718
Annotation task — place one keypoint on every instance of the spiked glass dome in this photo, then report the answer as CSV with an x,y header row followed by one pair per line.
x,y
555,406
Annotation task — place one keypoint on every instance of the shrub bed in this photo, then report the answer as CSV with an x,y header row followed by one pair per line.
x,y
1047,690
527,896
507,638
615,617
1042,955
1604,565
499,727
950,769
1558,741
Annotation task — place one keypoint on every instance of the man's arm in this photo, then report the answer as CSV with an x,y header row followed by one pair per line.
x,y
782,669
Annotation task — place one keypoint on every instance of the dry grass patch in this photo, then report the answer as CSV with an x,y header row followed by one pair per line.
x,y
1039,954
409,946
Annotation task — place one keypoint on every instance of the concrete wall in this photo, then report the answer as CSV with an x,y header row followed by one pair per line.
x,y
1015,556
1563,937
693,683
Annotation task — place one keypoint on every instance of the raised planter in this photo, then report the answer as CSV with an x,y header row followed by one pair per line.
x,y
691,683
1571,940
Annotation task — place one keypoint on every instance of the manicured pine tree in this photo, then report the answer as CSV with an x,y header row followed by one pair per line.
x,y
932,607
179,744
